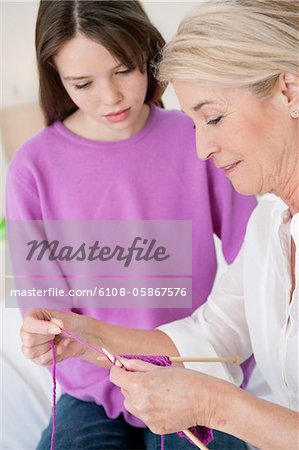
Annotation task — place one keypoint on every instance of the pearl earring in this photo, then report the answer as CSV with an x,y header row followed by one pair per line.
x,y
295,114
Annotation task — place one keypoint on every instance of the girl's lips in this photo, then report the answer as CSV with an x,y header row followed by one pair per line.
x,y
119,116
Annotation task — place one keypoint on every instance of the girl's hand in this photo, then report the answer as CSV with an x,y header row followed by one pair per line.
x,y
168,399
41,326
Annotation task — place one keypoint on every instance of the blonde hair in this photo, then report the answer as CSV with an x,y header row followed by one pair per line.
x,y
235,43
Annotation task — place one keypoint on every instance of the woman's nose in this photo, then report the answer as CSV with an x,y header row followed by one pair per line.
x,y
205,147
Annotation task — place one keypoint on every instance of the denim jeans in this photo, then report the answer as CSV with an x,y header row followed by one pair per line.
x,y
85,426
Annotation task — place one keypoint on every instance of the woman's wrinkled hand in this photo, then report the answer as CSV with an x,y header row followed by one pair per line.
x,y
167,399
41,326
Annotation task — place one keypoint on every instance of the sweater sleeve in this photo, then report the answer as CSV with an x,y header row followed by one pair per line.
x,y
230,212
22,202
217,328
24,220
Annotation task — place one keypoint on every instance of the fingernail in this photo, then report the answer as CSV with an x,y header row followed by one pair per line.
x,y
54,330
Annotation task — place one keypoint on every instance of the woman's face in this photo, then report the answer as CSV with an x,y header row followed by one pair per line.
x,y
251,139
109,96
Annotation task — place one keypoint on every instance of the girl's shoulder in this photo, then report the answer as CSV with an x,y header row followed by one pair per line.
x,y
34,148
174,126
174,116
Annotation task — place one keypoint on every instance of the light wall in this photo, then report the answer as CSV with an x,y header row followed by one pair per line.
x,y
19,74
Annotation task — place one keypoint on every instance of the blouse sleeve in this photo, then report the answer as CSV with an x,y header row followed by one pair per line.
x,y
217,328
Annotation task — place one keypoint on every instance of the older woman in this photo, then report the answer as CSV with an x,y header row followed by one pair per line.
x,y
234,67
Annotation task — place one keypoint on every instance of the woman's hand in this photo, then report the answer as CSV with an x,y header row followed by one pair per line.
x,y
41,326
168,399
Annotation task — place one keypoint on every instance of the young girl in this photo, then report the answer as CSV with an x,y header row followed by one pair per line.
x,y
110,153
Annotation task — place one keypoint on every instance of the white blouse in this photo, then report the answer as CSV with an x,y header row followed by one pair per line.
x,y
250,310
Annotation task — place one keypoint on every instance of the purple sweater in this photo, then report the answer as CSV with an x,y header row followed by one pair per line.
x,y
153,175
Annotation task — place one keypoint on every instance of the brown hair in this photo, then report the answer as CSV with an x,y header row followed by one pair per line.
x,y
121,26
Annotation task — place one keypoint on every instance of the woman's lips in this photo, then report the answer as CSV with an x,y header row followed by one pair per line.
x,y
118,116
230,168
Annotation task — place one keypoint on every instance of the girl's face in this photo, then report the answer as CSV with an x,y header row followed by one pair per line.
x,y
110,97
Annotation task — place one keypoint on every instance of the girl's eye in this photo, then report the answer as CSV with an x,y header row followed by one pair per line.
x,y
124,71
214,121
83,86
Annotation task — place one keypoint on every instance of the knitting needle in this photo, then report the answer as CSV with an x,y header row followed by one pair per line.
x,y
113,359
227,359
234,359
195,440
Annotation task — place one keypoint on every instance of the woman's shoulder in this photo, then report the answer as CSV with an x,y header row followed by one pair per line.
x,y
267,216
269,205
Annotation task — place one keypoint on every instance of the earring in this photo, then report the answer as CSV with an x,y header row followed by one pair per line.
x,y
295,114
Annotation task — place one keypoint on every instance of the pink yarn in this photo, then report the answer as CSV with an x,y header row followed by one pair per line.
x,y
203,433
159,360
54,396
86,344
162,442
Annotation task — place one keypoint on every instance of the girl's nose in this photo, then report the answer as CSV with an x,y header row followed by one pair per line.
x,y
111,94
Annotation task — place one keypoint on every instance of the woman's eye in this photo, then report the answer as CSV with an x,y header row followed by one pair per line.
x,y
83,86
214,121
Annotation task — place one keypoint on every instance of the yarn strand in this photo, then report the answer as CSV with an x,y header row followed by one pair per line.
x,y
54,396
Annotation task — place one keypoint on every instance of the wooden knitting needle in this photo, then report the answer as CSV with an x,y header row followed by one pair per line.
x,y
195,440
113,359
234,359
227,359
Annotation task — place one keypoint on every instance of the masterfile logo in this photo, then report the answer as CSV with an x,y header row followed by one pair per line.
x,y
99,263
